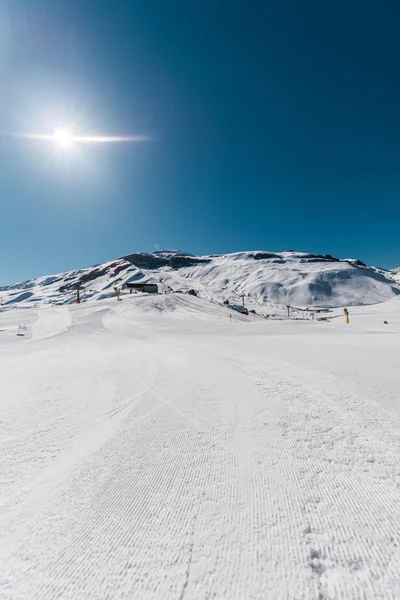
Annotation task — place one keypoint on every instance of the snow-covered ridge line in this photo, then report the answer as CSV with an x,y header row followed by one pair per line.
x,y
265,278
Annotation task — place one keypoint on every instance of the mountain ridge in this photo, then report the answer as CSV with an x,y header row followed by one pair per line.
x,y
263,277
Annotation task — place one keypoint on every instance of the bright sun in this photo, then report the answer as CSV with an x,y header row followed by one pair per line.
x,y
63,138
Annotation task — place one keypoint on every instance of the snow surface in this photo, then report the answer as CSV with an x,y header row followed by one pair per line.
x,y
396,275
266,279
157,448
294,278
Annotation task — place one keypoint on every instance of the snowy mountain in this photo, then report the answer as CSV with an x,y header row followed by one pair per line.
x,y
293,278
274,278
395,275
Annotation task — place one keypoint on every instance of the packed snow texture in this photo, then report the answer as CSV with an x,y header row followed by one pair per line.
x,y
165,447
264,278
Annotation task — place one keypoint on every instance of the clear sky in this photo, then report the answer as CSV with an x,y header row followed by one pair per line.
x,y
273,125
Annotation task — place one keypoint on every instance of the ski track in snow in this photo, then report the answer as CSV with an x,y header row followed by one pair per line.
x,y
152,458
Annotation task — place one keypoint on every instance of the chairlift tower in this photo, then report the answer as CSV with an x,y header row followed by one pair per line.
x,y
77,287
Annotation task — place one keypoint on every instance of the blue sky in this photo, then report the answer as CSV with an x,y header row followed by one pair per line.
x,y
274,125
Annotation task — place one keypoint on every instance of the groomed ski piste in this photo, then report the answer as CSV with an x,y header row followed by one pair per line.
x,y
166,447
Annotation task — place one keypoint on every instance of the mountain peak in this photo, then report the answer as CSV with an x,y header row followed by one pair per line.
x,y
165,253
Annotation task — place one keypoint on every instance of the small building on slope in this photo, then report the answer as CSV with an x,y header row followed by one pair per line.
x,y
148,288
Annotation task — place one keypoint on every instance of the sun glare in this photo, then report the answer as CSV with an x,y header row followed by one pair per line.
x,y
63,138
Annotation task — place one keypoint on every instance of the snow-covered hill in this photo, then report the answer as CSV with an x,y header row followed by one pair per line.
x,y
273,278
294,278
395,275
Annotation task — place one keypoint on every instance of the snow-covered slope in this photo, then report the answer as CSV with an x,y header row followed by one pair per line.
x,y
273,278
293,278
151,451
97,282
395,275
